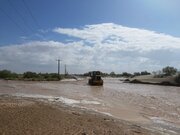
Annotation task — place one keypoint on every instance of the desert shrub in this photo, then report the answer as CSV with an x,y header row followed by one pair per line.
x,y
6,74
112,74
125,74
145,73
177,78
169,71
137,74
30,75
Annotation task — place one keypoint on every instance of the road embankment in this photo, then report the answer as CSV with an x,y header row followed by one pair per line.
x,y
150,79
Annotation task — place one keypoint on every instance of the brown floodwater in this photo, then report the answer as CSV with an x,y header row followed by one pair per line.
x,y
157,107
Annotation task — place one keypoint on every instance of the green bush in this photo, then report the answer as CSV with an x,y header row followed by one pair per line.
x,y
6,74
125,74
177,79
145,73
30,75
169,71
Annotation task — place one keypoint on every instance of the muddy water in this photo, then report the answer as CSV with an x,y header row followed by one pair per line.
x,y
152,105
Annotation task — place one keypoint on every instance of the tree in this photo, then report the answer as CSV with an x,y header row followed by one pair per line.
x,y
169,70
5,74
177,79
145,73
125,74
112,74
86,74
137,74
104,74
30,75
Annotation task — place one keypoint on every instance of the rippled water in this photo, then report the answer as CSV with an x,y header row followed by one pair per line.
x,y
158,106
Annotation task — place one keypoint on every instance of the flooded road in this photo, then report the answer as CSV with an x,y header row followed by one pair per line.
x,y
152,105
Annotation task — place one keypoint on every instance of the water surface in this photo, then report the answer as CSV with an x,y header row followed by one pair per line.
x,y
158,106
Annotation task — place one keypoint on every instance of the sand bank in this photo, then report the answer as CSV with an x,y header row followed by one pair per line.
x,y
27,116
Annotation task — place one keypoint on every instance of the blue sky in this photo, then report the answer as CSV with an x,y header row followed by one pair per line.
x,y
80,27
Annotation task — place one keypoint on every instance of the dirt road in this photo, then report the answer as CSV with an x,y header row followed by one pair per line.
x,y
155,107
25,116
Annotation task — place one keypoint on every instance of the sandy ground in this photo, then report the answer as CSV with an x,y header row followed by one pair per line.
x,y
169,80
27,116
28,107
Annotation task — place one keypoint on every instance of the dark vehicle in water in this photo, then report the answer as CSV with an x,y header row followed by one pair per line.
x,y
95,78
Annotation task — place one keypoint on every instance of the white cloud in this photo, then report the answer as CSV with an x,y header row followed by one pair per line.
x,y
106,47
42,56
122,38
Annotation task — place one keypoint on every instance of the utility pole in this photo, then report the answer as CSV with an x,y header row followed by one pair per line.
x,y
65,72
59,66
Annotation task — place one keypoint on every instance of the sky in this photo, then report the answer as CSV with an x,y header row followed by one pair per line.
x,y
106,35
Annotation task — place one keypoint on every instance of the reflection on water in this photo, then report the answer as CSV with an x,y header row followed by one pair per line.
x,y
133,102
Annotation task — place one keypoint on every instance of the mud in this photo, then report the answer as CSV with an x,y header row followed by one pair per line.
x,y
27,116
156,107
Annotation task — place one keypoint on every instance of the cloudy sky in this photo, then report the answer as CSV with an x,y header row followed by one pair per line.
x,y
105,35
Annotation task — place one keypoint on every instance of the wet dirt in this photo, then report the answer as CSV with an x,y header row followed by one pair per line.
x,y
157,107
